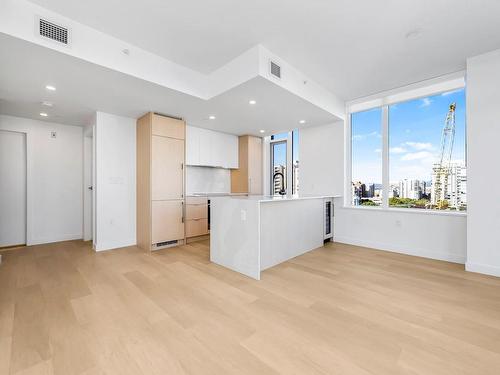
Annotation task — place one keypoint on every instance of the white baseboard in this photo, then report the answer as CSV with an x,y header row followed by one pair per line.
x,y
482,268
110,245
424,253
44,240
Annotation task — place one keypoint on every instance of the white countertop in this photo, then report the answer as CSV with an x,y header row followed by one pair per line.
x,y
283,198
221,194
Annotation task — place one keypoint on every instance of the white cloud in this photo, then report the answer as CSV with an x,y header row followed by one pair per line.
x,y
397,150
419,145
425,102
417,156
377,150
360,137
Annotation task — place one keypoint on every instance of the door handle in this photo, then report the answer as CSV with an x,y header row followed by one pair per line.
x,y
90,188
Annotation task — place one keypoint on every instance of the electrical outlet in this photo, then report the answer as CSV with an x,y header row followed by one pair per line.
x,y
53,135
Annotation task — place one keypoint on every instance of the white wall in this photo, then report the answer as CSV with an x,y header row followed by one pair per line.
x,y
321,158
115,160
428,235
483,135
54,179
207,180
437,236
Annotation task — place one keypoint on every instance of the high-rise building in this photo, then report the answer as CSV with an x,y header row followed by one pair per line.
x,y
411,189
449,184
371,191
357,192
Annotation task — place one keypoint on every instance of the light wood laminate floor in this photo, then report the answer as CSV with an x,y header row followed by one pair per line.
x,y
337,310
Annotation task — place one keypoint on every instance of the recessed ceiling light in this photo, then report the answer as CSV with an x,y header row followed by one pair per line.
x,y
262,131
50,88
212,117
48,104
43,114
252,102
302,121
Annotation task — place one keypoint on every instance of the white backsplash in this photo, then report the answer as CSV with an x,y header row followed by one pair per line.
x,y
207,180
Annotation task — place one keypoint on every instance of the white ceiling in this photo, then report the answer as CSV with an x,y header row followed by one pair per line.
x,y
353,48
83,88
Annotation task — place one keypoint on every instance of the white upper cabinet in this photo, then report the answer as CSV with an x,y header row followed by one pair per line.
x,y
192,146
210,148
205,144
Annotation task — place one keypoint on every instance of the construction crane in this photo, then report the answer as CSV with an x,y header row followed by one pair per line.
x,y
442,168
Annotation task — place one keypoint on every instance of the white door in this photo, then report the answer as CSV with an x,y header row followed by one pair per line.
x,y
87,188
12,188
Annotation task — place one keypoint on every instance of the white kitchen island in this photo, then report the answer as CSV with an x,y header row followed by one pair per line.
x,y
249,234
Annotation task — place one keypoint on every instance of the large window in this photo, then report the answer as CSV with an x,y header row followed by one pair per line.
x,y
423,141
278,166
366,136
427,152
284,168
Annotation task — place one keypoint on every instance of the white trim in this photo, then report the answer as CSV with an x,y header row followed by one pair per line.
x,y
66,237
417,90
482,268
110,245
348,161
289,163
408,210
423,253
385,156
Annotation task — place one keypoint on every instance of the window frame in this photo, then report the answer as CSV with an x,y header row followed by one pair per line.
x,y
384,100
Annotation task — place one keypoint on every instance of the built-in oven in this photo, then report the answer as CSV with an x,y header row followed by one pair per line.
x,y
328,219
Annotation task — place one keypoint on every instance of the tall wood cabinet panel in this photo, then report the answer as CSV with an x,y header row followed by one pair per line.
x,y
248,177
160,181
143,175
168,127
167,222
167,168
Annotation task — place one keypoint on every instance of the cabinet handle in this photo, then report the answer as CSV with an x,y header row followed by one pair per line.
x,y
182,218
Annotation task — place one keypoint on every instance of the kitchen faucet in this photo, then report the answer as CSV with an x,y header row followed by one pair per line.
x,y
282,191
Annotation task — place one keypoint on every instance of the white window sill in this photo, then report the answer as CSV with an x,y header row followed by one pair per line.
x,y
417,211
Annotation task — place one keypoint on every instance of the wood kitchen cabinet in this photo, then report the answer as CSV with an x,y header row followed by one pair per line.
x,y
248,177
196,217
160,181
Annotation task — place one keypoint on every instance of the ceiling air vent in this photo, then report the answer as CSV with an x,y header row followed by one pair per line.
x,y
275,70
52,31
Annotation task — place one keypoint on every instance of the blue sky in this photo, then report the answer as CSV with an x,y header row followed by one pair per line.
x,y
280,151
415,129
